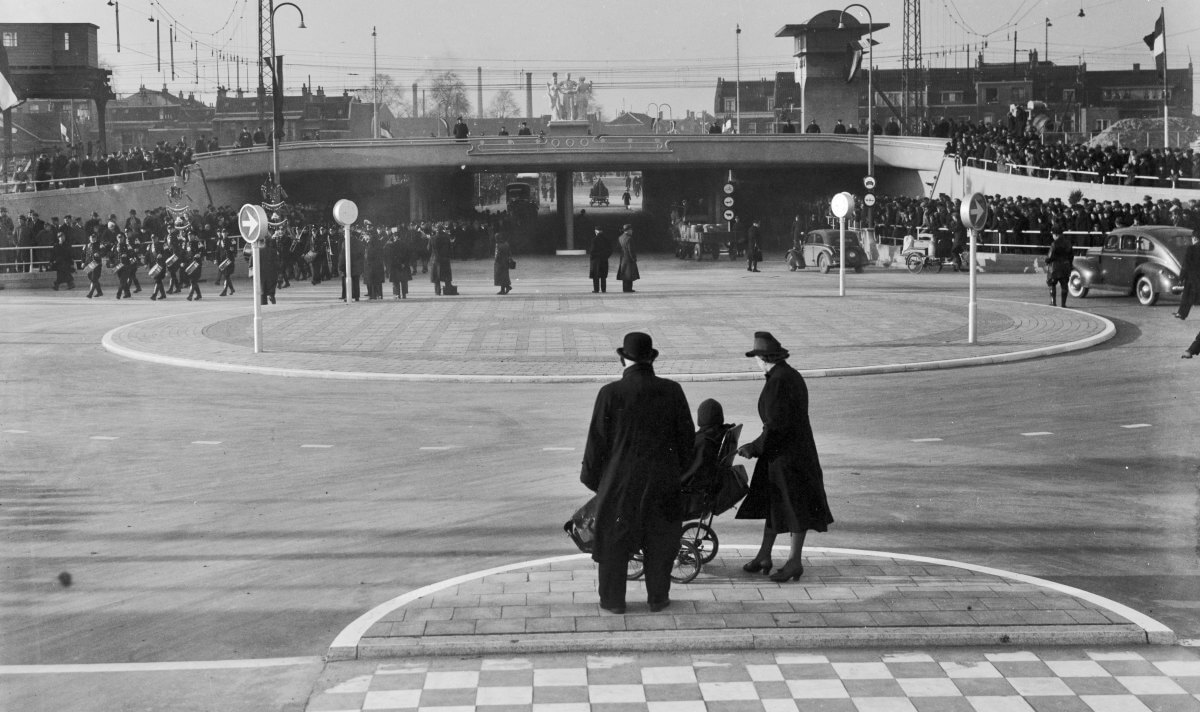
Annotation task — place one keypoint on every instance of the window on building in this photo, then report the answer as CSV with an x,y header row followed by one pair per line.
x,y
9,39
730,104
1101,124
991,95
66,41
1068,95
952,97
1018,94
770,103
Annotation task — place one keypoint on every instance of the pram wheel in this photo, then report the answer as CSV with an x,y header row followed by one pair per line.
x,y
704,538
687,563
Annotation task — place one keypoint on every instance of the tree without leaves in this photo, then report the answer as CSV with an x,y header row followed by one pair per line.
x,y
449,96
390,94
503,104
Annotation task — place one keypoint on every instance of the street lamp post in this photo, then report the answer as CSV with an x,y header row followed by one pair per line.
x,y
737,87
1049,24
277,89
374,84
870,83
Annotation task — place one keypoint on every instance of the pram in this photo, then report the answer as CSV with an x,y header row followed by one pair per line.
x,y
698,544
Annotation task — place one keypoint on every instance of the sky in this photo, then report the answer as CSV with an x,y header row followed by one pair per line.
x,y
640,55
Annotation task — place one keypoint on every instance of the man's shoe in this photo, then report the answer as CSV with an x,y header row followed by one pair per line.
x,y
619,610
1177,315
656,606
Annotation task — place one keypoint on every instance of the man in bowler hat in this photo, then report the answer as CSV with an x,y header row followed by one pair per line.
x,y
639,443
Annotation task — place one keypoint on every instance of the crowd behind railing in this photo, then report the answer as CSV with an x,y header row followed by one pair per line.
x,y
70,168
997,147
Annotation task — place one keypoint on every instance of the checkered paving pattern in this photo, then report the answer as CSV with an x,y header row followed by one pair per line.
x,y
555,328
1165,679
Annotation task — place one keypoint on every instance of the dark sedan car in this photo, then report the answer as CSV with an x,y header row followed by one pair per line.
x,y
820,248
1144,261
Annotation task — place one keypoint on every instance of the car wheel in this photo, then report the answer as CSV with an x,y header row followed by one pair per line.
x,y
1075,285
1144,289
823,263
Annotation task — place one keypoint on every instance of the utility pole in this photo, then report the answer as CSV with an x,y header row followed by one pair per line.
x,y
374,84
737,88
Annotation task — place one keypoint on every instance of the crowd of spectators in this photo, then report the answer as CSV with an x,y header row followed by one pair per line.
x,y
999,147
70,168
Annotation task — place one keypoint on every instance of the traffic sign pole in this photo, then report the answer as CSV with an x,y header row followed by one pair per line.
x,y
252,224
345,212
256,295
974,216
971,288
840,206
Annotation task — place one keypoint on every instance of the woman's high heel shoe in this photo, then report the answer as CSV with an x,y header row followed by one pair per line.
x,y
754,566
792,570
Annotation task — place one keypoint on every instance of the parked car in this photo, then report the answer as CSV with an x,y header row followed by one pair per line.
x,y
1144,261
820,248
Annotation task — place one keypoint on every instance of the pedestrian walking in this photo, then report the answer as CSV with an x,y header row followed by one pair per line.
x,y
1190,274
1058,266
627,269
787,489
228,252
194,269
625,198
93,261
598,255
63,259
754,246
639,444
268,270
502,263
158,271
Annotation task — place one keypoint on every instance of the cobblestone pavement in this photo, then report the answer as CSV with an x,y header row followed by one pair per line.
x,y
553,328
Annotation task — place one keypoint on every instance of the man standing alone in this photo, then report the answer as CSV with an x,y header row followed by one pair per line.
x,y
627,270
639,443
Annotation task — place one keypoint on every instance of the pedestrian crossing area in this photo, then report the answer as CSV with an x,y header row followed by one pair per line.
x,y
1150,678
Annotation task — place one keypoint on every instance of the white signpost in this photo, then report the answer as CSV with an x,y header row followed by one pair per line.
x,y
252,223
841,205
974,216
345,212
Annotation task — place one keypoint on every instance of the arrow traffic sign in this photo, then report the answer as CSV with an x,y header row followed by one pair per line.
x,y
252,222
974,212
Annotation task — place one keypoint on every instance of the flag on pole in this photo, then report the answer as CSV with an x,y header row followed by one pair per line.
x,y
8,94
1157,42
62,130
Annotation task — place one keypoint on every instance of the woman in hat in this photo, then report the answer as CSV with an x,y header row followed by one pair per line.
x,y
502,264
787,489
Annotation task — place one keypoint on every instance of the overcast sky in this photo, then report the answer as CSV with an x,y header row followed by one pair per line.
x,y
636,52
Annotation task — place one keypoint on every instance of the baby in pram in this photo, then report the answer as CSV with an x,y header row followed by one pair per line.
x,y
702,481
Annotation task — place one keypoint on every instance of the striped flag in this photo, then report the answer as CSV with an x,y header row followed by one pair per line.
x,y
1157,42
8,95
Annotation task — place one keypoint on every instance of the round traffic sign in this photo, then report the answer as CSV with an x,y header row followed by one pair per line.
x,y
727,201
252,222
728,188
842,204
869,183
345,212
869,199
728,215
974,212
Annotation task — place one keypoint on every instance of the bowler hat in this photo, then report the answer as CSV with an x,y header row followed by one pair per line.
x,y
638,347
767,345
627,227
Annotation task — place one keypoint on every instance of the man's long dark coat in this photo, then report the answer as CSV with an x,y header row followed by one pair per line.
x,y
639,443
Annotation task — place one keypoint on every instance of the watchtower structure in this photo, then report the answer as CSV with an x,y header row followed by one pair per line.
x,y
821,51
52,60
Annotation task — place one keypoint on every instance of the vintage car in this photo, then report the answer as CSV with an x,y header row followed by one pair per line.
x,y
1144,261
820,249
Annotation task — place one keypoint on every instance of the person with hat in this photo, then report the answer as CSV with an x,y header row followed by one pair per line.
x,y
639,443
501,264
598,254
63,259
627,268
787,489
93,260
1059,262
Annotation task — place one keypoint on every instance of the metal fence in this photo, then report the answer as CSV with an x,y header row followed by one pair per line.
x,y
1082,176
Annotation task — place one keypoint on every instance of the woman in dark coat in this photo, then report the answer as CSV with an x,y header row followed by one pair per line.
x,y
501,265
627,270
787,489
598,256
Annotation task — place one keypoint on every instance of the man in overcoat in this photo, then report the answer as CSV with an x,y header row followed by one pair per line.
x,y
598,255
627,270
639,443
1058,266
1191,278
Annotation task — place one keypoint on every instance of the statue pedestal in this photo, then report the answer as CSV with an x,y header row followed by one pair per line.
x,y
565,127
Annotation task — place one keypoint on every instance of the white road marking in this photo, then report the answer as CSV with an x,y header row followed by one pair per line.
x,y
206,442
557,449
1137,425
1037,434
315,445
1190,642
438,447
155,667
17,432
927,440
104,437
